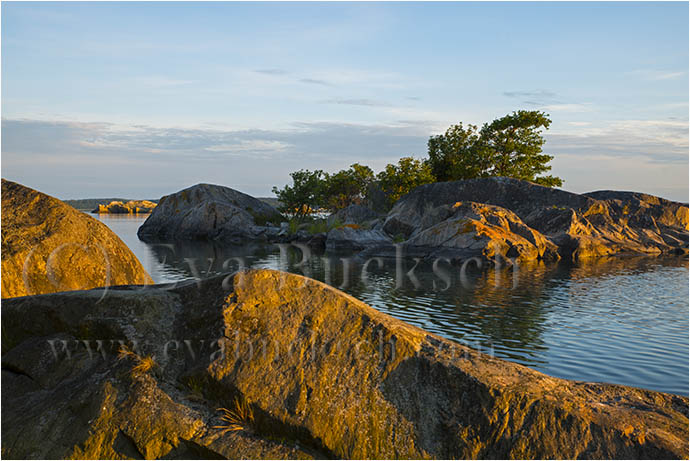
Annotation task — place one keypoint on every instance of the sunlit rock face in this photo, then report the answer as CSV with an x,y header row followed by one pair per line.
x,y
207,211
314,372
48,246
130,207
580,226
487,229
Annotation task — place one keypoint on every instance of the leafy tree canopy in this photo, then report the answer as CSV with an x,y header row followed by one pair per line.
x,y
347,187
509,146
398,180
305,194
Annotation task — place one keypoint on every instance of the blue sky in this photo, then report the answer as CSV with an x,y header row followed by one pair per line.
x,y
143,99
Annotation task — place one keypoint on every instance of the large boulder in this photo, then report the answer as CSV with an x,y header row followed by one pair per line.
x,y
581,226
304,370
48,246
207,211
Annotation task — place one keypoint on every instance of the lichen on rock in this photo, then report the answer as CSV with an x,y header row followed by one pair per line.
x,y
577,226
325,376
48,246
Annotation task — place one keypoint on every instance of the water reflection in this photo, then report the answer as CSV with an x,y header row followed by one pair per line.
x,y
622,320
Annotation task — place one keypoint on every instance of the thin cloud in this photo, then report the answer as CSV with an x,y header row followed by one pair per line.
x,y
658,141
575,107
547,100
249,146
652,74
315,81
533,97
154,81
358,102
271,71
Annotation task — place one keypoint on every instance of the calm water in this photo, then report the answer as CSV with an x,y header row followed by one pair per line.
x,y
623,320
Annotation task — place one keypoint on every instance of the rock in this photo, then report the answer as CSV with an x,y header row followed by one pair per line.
x,y
377,199
324,375
353,214
207,211
487,229
130,207
48,246
642,210
520,197
318,241
581,226
352,237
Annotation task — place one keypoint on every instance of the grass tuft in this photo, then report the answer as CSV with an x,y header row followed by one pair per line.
x,y
237,419
142,364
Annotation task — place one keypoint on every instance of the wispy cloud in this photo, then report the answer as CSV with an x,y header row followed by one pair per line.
x,y
272,71
575,107
158,81
658,141
243,147
653,74
358,102
315,81
547,100
533,97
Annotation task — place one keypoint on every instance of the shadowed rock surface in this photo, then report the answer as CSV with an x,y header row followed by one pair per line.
x,y
325,375
351,237
580,226
130,207
48,246
353,214
207,211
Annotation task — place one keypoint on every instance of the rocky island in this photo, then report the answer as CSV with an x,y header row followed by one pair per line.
x,y
129,207
488,217
48,246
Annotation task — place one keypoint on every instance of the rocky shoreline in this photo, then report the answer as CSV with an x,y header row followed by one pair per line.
x,y
322,374
489,218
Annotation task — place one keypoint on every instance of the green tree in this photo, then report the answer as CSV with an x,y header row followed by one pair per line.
x,y
509,146
398,180
305,194
347,187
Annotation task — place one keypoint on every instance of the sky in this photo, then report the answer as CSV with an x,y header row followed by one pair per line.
x,y
139,100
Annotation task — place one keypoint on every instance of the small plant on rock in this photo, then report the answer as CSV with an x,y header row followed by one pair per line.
x,y
238,418
142,364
